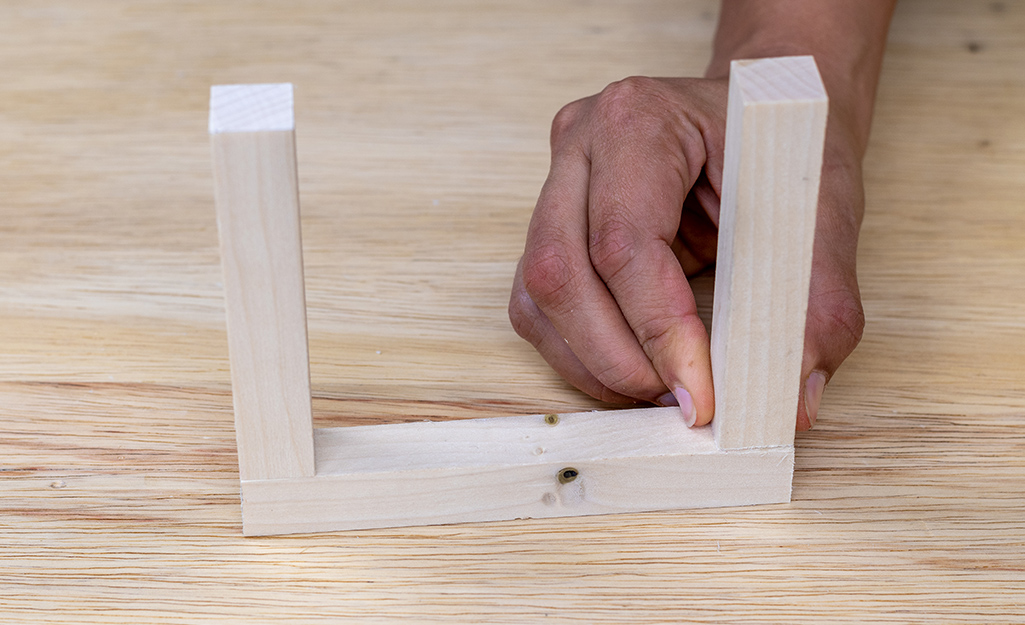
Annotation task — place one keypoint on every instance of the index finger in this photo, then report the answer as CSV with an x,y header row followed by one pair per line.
x,y
558,276
636,193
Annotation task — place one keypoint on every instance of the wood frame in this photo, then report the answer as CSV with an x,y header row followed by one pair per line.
x,y
297,479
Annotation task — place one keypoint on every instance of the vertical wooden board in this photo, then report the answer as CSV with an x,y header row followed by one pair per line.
x,y
256,192
775,131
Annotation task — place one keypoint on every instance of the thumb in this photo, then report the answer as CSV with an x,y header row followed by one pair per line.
x,y
834,328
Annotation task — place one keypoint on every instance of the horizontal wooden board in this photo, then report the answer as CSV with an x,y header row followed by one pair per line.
x,y
504,468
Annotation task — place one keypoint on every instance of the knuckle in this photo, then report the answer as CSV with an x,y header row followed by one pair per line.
x,y
612,248
630,379
548,275
655,335
564,122
842,318
669,334
523,314
628,90
623,104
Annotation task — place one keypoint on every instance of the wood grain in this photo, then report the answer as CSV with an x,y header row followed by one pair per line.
x,y
256,190
507,468
118,473
775,128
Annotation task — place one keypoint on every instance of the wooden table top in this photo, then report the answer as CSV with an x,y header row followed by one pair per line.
x,y
422,134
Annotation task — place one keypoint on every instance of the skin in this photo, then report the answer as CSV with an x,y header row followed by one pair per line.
x,y
630,209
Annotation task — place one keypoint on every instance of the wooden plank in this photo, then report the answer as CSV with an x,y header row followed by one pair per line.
x,y
256,191
775,129
514,467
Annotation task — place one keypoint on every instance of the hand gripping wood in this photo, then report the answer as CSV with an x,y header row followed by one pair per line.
x,y
297,479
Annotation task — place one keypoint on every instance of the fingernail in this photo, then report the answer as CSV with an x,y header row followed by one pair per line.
x,y
813,395
667,400
690,414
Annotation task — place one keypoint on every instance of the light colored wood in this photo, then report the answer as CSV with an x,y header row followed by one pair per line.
x,y
538,466
775,128
514,468
256,189
119,498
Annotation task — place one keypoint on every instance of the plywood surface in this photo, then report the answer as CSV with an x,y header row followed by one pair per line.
x,y
422,133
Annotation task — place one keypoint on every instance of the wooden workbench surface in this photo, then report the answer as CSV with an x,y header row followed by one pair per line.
x,y
422,131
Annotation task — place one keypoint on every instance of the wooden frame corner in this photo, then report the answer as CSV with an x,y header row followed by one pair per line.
x,y
297,479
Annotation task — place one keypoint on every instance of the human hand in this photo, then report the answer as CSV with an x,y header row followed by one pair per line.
x,y
629,210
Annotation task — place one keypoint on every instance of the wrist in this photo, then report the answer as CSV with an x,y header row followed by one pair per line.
x,y
847,40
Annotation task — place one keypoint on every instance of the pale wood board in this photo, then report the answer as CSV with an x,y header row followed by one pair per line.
x,y
512,468
775,128
118,472
256,191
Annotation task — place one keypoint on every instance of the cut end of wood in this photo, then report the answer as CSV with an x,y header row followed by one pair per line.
x,y
790,78
251,108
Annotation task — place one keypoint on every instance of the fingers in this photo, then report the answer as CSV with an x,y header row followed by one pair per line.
x,y
601,290
558,277
834,328
532,324
636,191
836,320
